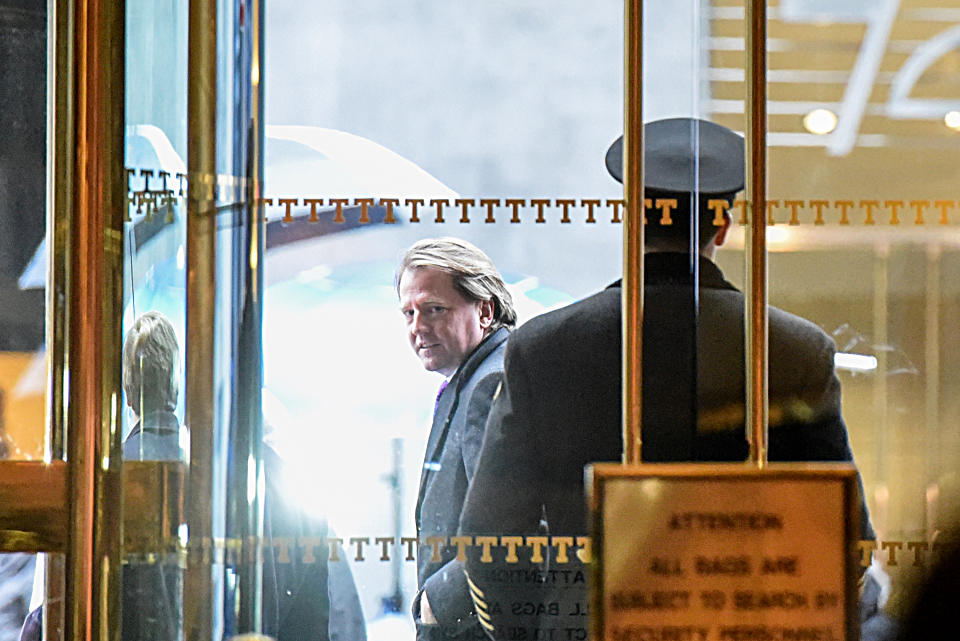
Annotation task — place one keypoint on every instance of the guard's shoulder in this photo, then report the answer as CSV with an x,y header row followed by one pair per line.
x,y
792,330
595,313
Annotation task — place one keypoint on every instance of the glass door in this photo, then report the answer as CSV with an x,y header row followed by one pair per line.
x,y
228,424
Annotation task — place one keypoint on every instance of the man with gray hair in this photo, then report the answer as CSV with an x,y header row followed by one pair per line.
x,y
151,381
458,314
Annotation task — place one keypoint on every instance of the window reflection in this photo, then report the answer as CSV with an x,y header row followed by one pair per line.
x,y
23,44
870,272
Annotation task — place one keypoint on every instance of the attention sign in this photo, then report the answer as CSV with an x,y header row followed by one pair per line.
x,y
725,553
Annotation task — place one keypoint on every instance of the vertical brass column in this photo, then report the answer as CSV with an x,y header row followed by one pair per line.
x,y
632,329
931,368
201,230
59,202
880,510
756,246
93,438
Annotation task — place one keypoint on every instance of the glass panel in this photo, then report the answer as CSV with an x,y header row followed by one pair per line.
x,y
16,579
523,105
155,260
23,48
862,176
222,586
154,316
485,122
23,188
508,124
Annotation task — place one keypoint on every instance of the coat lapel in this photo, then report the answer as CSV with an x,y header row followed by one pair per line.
x,y
447,409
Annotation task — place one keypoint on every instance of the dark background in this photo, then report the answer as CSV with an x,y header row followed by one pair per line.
x,y
23,78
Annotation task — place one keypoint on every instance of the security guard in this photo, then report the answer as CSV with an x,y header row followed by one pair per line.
x,y
560,405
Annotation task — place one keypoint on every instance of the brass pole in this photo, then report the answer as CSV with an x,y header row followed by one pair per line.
x,y
756,250
880,511
93,438
59,204
931,363
632,329
201,247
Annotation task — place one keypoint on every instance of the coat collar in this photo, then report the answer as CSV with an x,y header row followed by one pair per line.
x,y
673,268
448,401
477,356
163,422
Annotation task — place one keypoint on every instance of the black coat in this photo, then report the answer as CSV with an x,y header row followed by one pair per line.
x,y
449,462
560,409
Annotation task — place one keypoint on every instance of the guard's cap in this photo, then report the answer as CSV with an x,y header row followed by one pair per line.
x,y
677,147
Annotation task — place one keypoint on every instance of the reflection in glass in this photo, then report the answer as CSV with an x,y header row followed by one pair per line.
x,y
23,48
154,317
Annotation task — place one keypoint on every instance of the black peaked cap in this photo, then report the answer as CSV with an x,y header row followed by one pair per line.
x,y
677,147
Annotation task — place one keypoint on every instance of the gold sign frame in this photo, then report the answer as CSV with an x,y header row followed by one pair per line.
x,y
840,479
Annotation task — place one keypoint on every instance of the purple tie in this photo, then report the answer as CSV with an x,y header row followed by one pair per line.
x,y
436,403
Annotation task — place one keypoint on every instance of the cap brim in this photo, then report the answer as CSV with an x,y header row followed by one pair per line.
x,y
687,155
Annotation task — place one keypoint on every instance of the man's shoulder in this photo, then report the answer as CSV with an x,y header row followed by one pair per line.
x,y
490,364
785,327
487,357
595,313
797,331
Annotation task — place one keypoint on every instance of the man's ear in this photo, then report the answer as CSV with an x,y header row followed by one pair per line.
x,y
486,313
721,236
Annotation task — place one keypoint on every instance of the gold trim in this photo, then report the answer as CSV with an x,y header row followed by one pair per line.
x,y
60,148
756,254
931,369
475,588
599,474
158,195
152,506
201,303
881,427
93,437
54,607
632,319
34,499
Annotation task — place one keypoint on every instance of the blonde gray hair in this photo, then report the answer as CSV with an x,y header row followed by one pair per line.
x,y
474,274
151,359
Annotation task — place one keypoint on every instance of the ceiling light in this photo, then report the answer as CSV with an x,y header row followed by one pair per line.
x,y
777,235
854,362
820,121
952,120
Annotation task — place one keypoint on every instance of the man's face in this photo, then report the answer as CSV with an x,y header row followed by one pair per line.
x,y
442,325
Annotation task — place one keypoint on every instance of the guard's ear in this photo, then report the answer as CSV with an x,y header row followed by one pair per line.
x,y
721,236
486,308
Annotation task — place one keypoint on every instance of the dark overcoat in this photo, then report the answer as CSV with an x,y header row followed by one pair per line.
x,y
448,468
560,409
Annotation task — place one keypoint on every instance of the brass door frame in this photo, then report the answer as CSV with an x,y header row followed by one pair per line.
x,y
756,362
71,502
72,506
81,497
201,306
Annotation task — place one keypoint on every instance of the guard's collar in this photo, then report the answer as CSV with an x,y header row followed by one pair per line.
x,y
673,268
